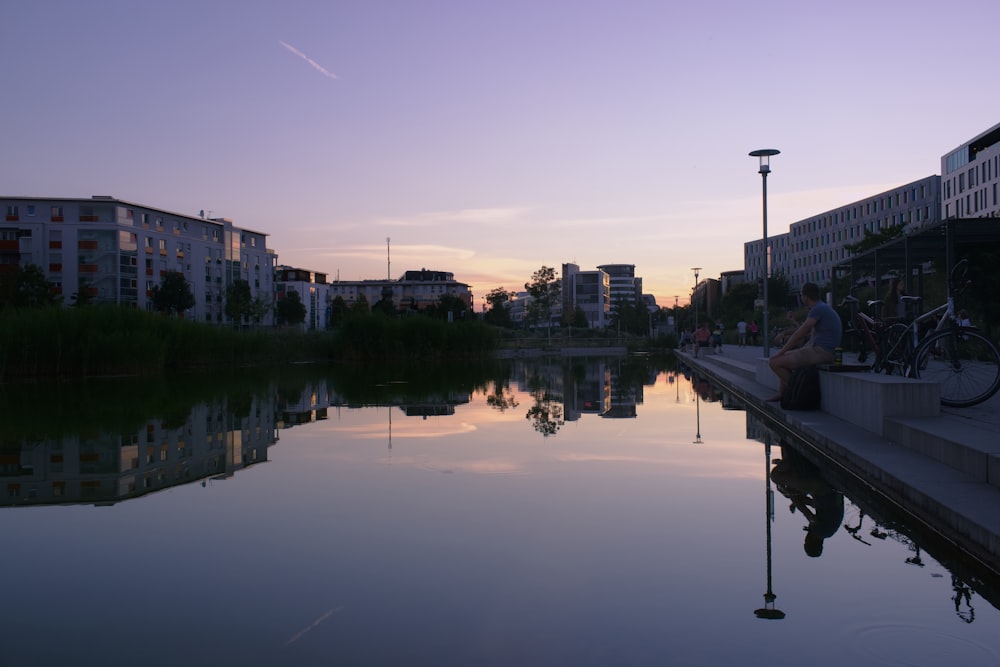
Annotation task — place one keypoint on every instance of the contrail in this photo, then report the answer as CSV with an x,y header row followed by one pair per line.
x,y
298,635
322,70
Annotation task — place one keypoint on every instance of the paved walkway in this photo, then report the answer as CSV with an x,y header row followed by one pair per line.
x,y
962,506
984,415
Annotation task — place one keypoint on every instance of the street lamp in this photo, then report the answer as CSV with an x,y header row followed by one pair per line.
x,y
764,155
696,269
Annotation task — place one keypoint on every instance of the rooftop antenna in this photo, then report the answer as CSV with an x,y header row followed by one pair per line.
x,y
388,264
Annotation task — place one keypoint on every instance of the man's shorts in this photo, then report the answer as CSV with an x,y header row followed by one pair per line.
x,y
808,355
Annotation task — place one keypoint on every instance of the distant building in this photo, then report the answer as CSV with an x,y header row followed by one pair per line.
x,y
414,290
625,286
589,291
108,250
313,291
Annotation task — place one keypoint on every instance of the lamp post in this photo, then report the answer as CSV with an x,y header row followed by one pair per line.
x,y
694,304
764,156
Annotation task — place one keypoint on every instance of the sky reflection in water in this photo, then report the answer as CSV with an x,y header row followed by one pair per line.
x,y
372,537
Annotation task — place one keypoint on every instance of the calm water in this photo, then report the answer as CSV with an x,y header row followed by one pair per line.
x,y
562,513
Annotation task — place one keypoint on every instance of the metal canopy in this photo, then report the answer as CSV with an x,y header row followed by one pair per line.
x,y
943,244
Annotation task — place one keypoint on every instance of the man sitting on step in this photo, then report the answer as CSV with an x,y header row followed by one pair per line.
x,y
822,328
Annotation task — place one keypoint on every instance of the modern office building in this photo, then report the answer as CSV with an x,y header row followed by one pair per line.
x,y
589,291
970,178
108,250
625,286
813,246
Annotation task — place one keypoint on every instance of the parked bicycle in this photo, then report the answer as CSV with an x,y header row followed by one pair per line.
x,y
862,330
964,362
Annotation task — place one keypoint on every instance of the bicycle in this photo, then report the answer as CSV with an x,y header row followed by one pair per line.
x,y
863,328
963,361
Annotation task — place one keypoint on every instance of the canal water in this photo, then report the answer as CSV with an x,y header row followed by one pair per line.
x,y
543,512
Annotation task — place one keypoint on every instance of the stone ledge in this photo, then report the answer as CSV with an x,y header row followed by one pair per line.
x,y
867,399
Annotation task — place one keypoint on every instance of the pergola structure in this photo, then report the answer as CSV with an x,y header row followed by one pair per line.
x,y
940,246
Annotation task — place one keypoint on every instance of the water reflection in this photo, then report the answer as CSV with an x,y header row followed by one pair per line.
x,y
829,500
66,445
617,542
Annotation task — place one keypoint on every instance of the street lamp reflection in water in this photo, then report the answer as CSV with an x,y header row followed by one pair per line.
x,y
768,611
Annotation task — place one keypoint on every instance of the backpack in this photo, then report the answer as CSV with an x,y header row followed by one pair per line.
x,y
802,392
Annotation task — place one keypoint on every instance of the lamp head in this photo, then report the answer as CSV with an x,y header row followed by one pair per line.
x,y
764,155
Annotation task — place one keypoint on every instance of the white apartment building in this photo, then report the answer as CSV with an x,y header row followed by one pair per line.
x,y
313,291
813,246
114,251
970,178
414,290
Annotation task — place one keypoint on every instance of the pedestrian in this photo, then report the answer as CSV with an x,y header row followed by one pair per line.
x,y
717,338
702,338
754,331
741,332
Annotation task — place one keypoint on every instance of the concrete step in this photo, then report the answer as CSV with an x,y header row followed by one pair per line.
x,y
958,443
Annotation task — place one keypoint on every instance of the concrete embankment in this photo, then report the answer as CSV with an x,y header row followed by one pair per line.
x,y
941,465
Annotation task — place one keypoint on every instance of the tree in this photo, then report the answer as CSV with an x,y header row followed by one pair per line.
x,y
738,302
259,308
498,314
239,301
630,316
874,239
25,287
173,295
291,310
360,307
337,312
544,290
449,303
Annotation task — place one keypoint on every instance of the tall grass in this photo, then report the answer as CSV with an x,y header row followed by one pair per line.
x,y
110,340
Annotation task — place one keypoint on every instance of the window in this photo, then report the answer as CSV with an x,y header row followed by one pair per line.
x,y
31,210
57,214
12,213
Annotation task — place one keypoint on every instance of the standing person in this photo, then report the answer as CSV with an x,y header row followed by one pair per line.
x,y
741,332
822,328
717,337
702,336
893,307
754,331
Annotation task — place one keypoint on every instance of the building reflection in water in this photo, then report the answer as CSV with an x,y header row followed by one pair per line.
x,y
103,468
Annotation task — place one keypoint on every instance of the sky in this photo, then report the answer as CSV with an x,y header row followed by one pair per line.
x,y
490,138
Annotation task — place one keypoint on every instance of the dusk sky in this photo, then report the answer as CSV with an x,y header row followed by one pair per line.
x,y
491,137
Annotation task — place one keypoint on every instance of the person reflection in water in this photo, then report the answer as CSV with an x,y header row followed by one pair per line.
x,y
822,505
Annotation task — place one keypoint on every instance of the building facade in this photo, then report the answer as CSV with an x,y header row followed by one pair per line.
x,y
970,178
812,247
107,250
589,291
414,290
313,291
625,286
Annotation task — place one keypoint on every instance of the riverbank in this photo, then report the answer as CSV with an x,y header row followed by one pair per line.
x,y
961,507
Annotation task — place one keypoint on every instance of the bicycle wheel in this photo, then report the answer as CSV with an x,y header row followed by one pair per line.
x,y
965,363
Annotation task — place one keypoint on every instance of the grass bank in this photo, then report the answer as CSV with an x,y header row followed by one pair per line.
x,y
109,340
